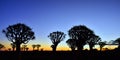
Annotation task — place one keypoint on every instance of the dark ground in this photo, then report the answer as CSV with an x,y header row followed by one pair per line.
x,y
60,55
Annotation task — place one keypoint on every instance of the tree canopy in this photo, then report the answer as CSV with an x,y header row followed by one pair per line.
x,y
81,34
102,44
56,38
18,34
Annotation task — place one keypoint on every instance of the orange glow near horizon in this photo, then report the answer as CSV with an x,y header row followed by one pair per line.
x,y
59,48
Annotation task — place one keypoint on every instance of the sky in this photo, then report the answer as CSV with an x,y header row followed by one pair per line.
x,y
46,16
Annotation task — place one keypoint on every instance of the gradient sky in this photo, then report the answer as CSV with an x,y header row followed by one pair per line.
x,y
46,16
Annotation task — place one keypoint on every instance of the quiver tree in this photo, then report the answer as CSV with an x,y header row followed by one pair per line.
x,y
101,44
33,46
18,34
93,41
24,47
56,38
13,46
1,46
27,48
38,46
81,34
71,43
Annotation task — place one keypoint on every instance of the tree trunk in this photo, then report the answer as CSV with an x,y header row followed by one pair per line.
x,y
80,44
100,48
91,47
18,47
80,48
54,47
13,49
18,55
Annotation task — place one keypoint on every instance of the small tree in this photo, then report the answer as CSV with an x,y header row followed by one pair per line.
x,y
38,46
18,34
24,47
56,38
33,46
72,44
1,46
93,41
13,46
102,44
9,49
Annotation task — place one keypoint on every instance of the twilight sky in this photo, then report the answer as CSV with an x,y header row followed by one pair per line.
x,y
46,16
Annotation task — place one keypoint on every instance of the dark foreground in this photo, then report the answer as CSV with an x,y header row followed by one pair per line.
x,y
60,55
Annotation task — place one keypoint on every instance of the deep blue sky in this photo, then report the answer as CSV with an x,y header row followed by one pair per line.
x,y
45,16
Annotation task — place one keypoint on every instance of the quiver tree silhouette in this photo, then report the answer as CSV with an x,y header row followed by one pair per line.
x,y
101,44
33,46
13,46
56,38
1,46
81,34
71,43
38,46
24,47
9,49
93,41
18,34
118,41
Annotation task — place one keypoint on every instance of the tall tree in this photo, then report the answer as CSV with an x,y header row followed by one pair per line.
x,y
18,34
71,43
1,46
101,44
56,38
118,41
93,41
38,46
81,34
13,46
